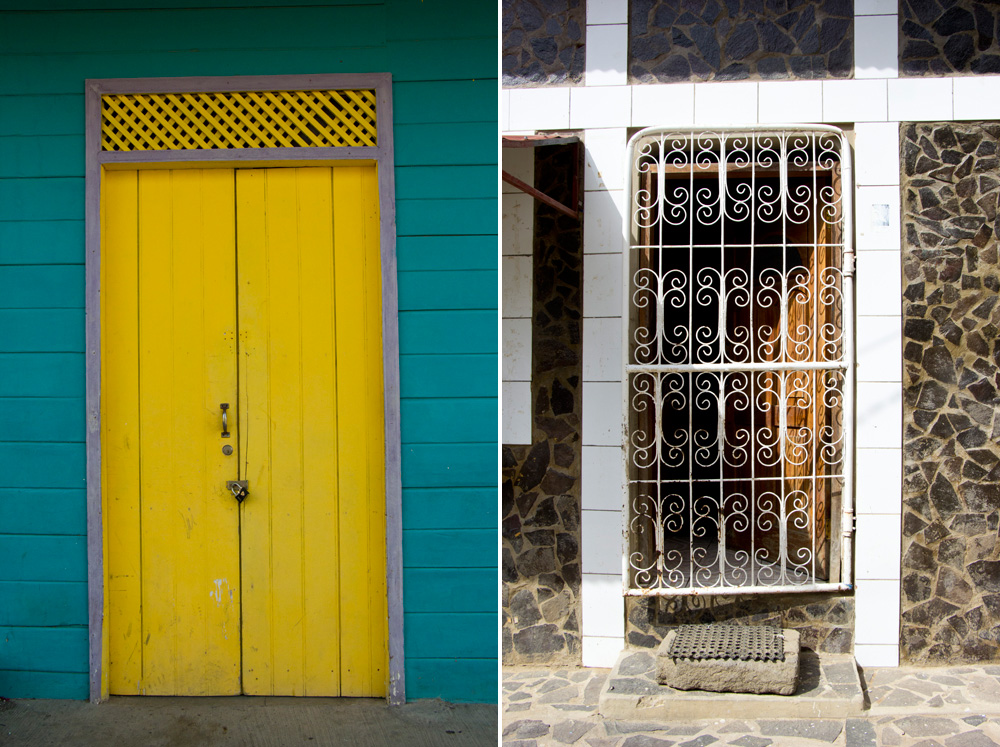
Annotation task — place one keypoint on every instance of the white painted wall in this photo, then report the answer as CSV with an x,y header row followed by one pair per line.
x,y
517,231
874,103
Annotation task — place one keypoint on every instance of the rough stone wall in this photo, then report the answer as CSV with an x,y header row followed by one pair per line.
x,y
951,350
543,42
825,621
680,40
541,482
944,37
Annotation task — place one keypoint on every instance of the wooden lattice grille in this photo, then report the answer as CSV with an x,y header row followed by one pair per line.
x,y
247,119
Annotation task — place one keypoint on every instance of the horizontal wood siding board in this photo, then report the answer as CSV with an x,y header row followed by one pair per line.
x,y
459,144
41,330
41,374
433,590
450,508
38,649
457,680
113,5
470,635
449,465
65,685
446,102
42,419
448,289
41,242
450,548
446,332
441,252
439,19
41,156
469,420
446,217
34,465
454,375
59,114
50,511
125,31
60,603
41,199
41,286
447,182
27,557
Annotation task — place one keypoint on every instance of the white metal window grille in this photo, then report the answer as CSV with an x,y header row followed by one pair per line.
x,y
739,343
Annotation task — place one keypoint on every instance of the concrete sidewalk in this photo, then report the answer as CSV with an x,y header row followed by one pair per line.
x,y
923,707
254,722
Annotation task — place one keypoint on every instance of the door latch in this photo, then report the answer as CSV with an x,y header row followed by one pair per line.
x,y
225,423
239,489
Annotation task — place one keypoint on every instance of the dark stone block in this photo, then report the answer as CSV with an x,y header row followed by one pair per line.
x,y
563,455
918,329
539,639
959,50
919,558
916,587
952,551
567,549
557,483
562,399
955,19
912,524
536,560
930,613
985,575
534,467
968,524
939,364
508,568
545,49
742,41
708,46
524,609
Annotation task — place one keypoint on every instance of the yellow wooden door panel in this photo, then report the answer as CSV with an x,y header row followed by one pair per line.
x,y
305,382
187,623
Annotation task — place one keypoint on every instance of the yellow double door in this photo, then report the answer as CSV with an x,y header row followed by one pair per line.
x,y
260,289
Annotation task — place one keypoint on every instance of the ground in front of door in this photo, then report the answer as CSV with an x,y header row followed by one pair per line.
x,y
243,721
923,707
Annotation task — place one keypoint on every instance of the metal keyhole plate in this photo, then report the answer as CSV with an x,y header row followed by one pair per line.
x,y
227,449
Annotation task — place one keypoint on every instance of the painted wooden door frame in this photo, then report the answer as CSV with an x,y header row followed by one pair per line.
x,y
382,155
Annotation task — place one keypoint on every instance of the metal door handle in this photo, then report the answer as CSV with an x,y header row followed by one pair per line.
x,y
225,427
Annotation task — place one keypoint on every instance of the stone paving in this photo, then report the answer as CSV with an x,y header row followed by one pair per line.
x,y
909,706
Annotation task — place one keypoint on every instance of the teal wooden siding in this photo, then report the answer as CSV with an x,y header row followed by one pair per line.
x,y
442,56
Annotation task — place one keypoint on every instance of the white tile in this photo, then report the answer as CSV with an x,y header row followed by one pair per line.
x,y
875,49
877,547
607,56
879,284
504,110
874,7
516,349
977,97
516,404
876,154
791,101
873,655
604,160
601,542
725,104
607,11
602,413
879,480
879,348
602,285
876,612
602,349
601,652
519,162
601,106
603,478
539,108
516,297
669,105
879,416
603,230
876,210
920,99
517,224
854,100
603,606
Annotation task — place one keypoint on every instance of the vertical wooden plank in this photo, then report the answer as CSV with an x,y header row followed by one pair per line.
x,y
321,555
362,564
254,434
190,560
120,421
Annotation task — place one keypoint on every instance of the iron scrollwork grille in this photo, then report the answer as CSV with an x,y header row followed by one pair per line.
x,y
738,361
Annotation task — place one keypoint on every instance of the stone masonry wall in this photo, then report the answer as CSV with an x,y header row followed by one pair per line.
x,y
541,482
681,40
951,351
945,37
543,42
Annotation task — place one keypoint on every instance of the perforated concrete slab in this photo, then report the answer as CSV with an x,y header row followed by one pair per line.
x,y
829,687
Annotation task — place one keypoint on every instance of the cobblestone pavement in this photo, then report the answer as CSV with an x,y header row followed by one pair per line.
x,y
922,707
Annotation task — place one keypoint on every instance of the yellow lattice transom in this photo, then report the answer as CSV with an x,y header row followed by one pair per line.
x,y
248,119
